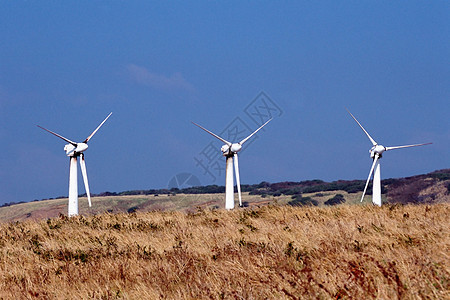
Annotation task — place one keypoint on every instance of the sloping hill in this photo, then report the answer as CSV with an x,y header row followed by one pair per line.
x,y
429,188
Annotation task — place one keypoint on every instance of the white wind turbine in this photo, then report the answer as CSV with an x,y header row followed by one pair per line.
x,y
230,151
376,153
75,150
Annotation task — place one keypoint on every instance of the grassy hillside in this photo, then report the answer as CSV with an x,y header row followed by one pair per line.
x,y
274,252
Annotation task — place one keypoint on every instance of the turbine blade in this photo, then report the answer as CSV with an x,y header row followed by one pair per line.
x,y
370,175
244,140
215,135
92,134
85,179
368,135
60,136
238,181
406,146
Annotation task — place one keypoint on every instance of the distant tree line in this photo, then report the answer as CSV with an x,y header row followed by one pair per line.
x,y
11,203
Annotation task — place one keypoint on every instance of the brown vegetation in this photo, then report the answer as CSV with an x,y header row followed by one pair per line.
x,y
274,252
425,189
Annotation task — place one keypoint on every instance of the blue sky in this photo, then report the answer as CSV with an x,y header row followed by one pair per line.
x,y
160,65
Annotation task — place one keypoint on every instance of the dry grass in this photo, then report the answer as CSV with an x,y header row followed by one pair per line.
x,y
274,252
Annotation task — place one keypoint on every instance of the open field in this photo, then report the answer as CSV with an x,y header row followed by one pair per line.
x,y
274,252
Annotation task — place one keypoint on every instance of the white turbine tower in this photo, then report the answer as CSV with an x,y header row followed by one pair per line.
x,y
75,150
376,153
230,151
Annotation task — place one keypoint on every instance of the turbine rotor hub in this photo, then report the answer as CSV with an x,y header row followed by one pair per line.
x,y
71,150
225,150
231,150
377,149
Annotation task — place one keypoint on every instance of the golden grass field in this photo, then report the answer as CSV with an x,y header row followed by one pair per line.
x,y
268,252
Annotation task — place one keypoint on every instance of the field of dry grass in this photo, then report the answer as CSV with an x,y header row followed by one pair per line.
x,y
274,252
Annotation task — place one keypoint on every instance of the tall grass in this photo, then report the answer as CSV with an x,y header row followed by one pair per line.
x,y
274,252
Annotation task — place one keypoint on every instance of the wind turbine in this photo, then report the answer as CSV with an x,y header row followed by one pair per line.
x,y
376,153
230,151
75,150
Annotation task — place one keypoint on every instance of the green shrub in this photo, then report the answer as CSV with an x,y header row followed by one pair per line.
x,y
337,199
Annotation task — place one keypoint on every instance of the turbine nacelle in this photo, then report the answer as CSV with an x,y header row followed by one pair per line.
x,y
231,150
81,147
71,150
377,149
236,147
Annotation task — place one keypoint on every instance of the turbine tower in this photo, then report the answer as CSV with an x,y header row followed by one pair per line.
x,y
230,151
376,153
75,150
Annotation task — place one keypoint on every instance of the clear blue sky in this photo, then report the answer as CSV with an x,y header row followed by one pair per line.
x,y
157,66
